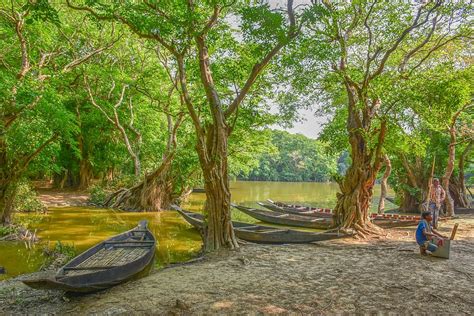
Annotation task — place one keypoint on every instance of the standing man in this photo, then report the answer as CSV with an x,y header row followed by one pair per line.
x,y
437,197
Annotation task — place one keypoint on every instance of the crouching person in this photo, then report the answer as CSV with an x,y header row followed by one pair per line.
x,y
426,237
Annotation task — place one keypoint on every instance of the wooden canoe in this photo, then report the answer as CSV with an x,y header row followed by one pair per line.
x,y
296,209
264,234
108,263
286,218
302,220
326,212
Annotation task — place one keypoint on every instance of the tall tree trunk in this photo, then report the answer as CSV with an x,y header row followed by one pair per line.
x,y
449,170
218,231
383,184
353,203
7,198
462,183
85,174
85,166
456,191
409,203
415,175
6,206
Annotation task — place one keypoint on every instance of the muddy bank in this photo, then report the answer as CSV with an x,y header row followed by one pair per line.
x,y
387,275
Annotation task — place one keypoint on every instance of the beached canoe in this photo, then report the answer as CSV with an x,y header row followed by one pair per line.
x,y
264,234
108,263
328,213
286,218
303,220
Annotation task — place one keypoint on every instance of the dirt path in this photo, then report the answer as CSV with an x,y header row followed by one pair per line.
x,y
387,276
53,197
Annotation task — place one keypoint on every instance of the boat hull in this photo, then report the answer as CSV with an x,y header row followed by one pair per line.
x,y
286,219
264,234
107,264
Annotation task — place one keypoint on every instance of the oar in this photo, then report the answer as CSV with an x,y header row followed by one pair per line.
x,y
453,232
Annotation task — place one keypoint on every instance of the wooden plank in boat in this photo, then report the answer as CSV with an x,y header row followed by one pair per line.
x,y
88,268
130,242
130,246
272,231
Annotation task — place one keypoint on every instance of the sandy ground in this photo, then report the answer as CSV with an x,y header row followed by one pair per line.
x,y
52,197
386,275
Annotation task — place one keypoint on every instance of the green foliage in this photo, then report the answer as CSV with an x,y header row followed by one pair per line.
x,y
68,250
294,158
58,254
29,221
7,230
97,194
26,199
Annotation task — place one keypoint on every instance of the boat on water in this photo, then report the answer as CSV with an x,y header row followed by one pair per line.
x,y
286,218
106,264
283,217
281,207
326,212
264,234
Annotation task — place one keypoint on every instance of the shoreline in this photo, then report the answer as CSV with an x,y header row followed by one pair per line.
x,y
378,275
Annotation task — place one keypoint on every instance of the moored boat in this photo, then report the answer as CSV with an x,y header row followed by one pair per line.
x,y
326,212
296,209
106,264
264,234
286,218
302,220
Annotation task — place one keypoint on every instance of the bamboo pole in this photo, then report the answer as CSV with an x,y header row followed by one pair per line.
x,y
453,232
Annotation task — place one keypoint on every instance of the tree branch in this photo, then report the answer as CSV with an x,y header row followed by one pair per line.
x,y
38,150
25,61
88,56
186,96
415,24
258,67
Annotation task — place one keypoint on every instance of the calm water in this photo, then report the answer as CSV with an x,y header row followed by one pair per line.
x,y
177,241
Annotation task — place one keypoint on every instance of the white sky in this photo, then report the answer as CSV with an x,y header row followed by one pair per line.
x,y
310,127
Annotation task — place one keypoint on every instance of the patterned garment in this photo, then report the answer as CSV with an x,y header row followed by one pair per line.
x,y
437,195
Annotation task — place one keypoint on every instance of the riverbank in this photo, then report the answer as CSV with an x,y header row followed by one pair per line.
x,y
386,275
58,197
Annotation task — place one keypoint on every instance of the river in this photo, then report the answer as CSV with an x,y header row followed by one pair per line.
x,y
83,227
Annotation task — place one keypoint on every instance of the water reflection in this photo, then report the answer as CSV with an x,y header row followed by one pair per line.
x,y
177,240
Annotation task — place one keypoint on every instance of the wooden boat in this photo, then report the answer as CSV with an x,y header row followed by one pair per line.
x,y
264,234
326,212
463,210
286,218
302,220
297,209
108,263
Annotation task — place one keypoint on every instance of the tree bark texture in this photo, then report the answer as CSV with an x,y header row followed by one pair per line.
x,y
353,203
155,192
152,194
449,170
218,231
464,200
416,178
383,184
7,182
6,204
